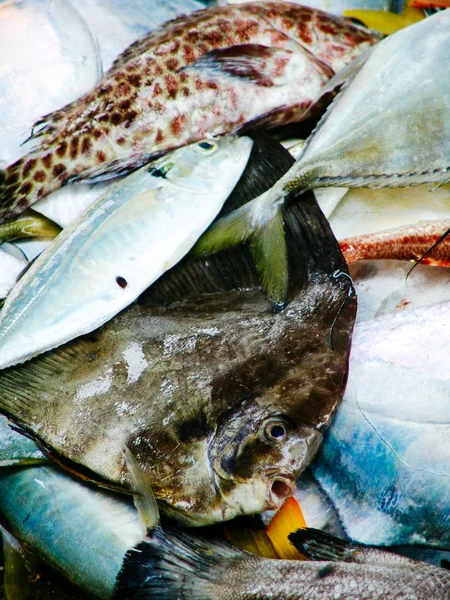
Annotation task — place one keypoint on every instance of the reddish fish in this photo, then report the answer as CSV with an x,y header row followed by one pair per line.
x,y
427,241
211,72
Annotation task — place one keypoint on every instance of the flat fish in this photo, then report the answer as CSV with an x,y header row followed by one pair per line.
x,y
222,401
388,127
119,246
209,73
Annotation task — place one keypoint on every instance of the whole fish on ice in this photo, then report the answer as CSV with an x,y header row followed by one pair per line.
x,y
222,401
209,73
388,127
121,244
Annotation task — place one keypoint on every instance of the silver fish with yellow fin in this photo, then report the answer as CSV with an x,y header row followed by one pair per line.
x,y
222,401
388,127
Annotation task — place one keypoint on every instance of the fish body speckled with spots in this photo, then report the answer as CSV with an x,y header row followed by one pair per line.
x,y
208,73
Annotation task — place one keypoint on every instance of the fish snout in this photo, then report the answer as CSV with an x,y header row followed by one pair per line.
x,y
281,488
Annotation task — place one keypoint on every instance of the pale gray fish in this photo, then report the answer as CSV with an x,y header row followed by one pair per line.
x,y
119,246
388,127
171,565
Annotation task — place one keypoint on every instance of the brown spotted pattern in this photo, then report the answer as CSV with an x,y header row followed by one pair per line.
x,y
176,85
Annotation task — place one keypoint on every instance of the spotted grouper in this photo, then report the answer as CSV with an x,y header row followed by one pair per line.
x,y
208,73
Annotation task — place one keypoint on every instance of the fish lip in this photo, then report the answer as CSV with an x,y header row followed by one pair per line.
x,y
281,486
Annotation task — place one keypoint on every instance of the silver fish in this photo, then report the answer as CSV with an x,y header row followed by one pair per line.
x,y
119,246
388,127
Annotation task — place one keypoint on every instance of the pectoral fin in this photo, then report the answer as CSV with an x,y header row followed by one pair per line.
x,y
17,585
267,244
253,62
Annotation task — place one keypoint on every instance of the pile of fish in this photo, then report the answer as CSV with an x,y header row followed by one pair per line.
x,y
195,366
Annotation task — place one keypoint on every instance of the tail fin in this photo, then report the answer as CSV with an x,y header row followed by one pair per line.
x,y
172,565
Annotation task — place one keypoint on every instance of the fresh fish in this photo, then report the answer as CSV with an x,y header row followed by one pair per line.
x,y
50,520
222,401
206,74
388,127
57,52
176,565
384,463
119,246
426,241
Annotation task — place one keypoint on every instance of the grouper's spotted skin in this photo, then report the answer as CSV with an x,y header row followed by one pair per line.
x,y
263,62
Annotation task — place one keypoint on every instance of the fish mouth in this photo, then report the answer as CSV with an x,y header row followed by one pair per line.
x,y
281,487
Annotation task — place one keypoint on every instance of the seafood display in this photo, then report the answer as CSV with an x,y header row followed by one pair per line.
x,y
207,74
198,393
142,368
388,127
147,222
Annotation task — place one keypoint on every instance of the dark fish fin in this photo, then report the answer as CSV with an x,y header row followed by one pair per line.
x,y
318,545
229,269
172,565
253,62
17,574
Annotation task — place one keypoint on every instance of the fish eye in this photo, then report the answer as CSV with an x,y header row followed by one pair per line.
x,y
207,146
275,431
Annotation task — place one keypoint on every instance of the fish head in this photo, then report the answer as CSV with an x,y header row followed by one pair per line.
x,y
196,167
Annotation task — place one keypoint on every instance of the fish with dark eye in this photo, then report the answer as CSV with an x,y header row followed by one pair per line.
x,y
209,73
222,401
388,127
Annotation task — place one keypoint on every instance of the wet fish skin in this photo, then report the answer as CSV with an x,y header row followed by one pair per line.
x,y
147,222
194,390
422,241
261,60
173,565
388,127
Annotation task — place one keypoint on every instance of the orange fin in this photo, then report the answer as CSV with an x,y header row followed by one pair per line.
x,y
287,520
252,540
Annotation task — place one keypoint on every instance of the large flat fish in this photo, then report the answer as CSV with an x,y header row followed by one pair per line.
x,y
209,73
388,127
119,246
222,401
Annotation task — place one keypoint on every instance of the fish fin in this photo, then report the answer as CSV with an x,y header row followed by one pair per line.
x,y
318,545
143,496
230,269
173,565
104,172
253,62
17,574
30,224
287,519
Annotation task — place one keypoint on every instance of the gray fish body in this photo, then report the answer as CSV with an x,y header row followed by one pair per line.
x,y
177,566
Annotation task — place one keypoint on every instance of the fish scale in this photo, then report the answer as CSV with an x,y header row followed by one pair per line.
x,y
180,83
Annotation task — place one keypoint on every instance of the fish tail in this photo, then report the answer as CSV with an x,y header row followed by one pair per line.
x,y
265,233
26,181
172,566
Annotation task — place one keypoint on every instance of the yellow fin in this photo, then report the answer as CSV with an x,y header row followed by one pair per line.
x,y
386,22
288,519
252,540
